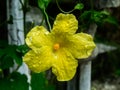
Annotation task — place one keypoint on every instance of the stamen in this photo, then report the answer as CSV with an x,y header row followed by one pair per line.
x,y
56,46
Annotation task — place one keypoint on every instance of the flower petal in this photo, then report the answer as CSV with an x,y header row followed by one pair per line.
x,y
64,66
65,23
40,61
80,45
38,37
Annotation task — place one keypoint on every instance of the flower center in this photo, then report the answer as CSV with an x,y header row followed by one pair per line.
x,y
56,46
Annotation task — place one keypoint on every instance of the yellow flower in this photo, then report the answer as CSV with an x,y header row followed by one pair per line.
x,y
58,49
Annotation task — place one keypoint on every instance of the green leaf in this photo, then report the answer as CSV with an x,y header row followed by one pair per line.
x,y
105,12
98,17
17,81
85,15
79,6
5,84
22,49
42,82
6,62
13,52
43,4
50,87
85,18
111,20
10,51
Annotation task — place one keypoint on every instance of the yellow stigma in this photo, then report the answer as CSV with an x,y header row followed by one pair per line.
x,y
56,46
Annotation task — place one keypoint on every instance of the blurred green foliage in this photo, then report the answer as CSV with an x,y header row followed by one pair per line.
x,y
9,54
42,82
98,17
43,4
15,81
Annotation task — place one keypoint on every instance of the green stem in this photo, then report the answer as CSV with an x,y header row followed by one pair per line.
x,y
63,10
48,22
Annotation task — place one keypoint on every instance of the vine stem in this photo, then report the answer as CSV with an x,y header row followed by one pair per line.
x,y
48,22
63,10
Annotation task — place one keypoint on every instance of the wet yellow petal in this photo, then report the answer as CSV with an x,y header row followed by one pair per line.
x,y
64,66
38,37
39,61
81,45
59,48
65,23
